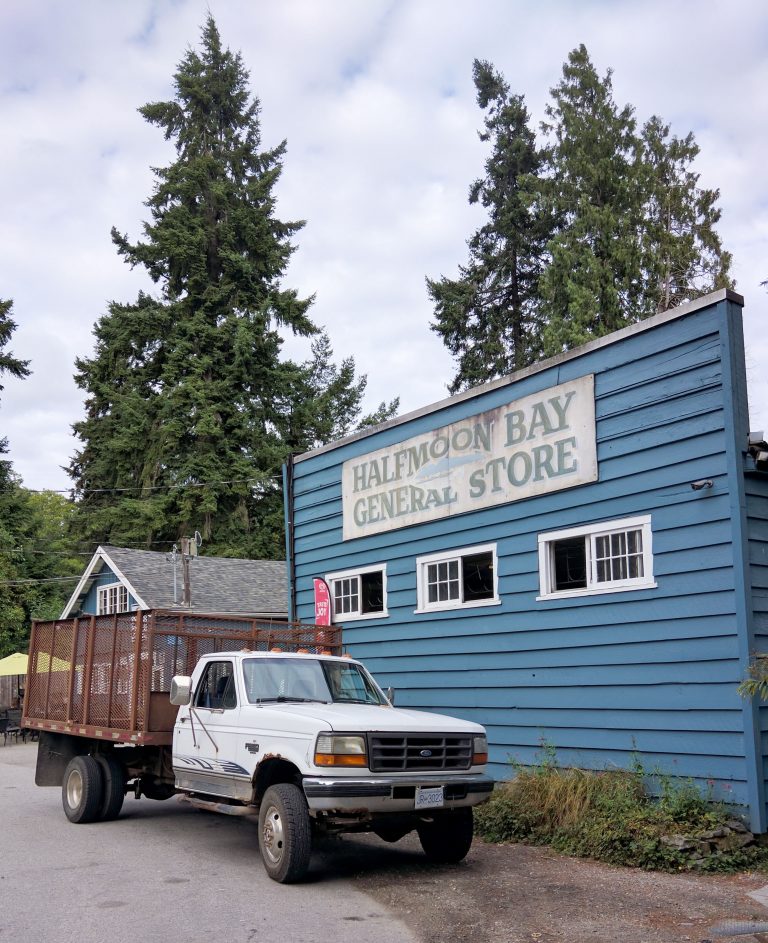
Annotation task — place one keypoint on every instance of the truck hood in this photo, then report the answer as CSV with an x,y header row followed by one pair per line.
x,y
372,718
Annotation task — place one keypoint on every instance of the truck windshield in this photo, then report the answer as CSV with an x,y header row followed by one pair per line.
x,y
303,679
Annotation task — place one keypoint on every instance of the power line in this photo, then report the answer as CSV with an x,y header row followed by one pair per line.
x,y
177,487
50,553
51,579
112,541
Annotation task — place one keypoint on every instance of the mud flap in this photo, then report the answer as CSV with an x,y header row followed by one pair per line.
x,y
54,751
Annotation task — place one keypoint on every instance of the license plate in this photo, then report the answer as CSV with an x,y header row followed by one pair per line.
x,y
429,797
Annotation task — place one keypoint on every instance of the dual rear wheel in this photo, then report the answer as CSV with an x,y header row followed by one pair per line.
x,y
93,788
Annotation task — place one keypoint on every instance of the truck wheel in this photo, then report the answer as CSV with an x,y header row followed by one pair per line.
x,y
82,790
285,833
113,773
447,838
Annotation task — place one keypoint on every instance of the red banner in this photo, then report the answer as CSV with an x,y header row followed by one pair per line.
x,y
322,603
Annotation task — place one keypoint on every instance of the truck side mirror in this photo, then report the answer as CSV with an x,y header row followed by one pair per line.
x,y
391,695
181,690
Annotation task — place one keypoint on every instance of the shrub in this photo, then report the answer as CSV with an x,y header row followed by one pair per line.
x,y
611,816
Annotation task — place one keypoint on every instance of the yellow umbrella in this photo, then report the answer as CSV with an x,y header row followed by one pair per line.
x,y
15,664
45,663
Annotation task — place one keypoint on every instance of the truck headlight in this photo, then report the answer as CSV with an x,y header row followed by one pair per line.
x,y
332,750
479,750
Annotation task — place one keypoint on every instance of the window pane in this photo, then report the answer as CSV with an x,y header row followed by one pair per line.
x,y
569,558
619,556
345,595
217,689
372,592
477,574
603,572
112,599
442,581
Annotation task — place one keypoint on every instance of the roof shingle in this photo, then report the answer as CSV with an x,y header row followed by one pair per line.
x,y
218,584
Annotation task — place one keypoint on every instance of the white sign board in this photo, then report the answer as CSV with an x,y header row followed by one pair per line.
x,y
535,445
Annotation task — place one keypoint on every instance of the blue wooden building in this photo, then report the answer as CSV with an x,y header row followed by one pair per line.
x,y
575,555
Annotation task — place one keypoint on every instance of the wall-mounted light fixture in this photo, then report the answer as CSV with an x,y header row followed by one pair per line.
x,y
701,484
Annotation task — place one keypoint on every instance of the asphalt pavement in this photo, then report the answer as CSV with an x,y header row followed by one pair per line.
x,y
162,872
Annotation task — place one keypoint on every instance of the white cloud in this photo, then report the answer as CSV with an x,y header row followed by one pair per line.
x,y
377,104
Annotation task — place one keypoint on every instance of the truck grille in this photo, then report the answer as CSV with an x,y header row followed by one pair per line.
x,y
390,753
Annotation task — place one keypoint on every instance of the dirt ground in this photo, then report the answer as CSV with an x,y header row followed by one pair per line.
x,y
520,894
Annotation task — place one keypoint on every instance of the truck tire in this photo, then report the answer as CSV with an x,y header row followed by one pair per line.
x,y
82,790
285,833
447,837
113,773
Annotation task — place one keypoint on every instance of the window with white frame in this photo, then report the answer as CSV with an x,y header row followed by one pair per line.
x,y
360,593
457,579
608,557
112,598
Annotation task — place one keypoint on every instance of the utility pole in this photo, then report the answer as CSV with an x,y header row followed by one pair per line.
x,y
189,547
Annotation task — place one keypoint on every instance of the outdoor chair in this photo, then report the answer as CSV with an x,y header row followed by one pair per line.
x,y
9,727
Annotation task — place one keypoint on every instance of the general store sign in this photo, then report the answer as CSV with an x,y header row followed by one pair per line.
x,y
535,445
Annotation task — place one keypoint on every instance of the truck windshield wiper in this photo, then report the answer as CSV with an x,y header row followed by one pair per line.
x,y
282,698
356,700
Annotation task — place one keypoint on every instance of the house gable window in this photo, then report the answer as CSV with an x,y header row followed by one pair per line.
x,y
457,579
609,557
111,599
360,593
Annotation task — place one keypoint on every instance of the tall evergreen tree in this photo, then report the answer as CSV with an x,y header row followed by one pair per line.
x,y
601,227
324,400
8,364
683,256
489,316
14,513
593,282
187,394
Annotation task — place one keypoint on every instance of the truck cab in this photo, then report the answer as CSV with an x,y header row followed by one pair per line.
x,y
312,742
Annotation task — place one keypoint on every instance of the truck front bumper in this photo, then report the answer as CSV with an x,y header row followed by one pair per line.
x,y
390,794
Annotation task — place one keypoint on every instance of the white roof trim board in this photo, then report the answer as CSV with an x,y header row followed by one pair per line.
x,y
100,556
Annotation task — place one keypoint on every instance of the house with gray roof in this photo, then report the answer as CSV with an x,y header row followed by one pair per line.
x,y
119,579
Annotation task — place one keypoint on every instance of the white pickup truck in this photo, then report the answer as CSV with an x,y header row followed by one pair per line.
x,y
307,741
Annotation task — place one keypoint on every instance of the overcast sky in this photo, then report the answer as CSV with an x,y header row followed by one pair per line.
x,y
376,101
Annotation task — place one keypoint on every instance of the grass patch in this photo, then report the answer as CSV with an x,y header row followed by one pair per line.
x,y
612,817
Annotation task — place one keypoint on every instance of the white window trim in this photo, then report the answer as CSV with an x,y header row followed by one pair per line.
x,y
359,571
423,606
102,592
602,528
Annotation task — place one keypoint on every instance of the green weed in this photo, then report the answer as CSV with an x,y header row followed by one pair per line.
x,y
612,816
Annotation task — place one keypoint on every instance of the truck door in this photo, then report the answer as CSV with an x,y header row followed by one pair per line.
x,y
205,741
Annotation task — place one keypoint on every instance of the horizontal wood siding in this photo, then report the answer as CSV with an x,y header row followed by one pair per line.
x,y
604,678
756,488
